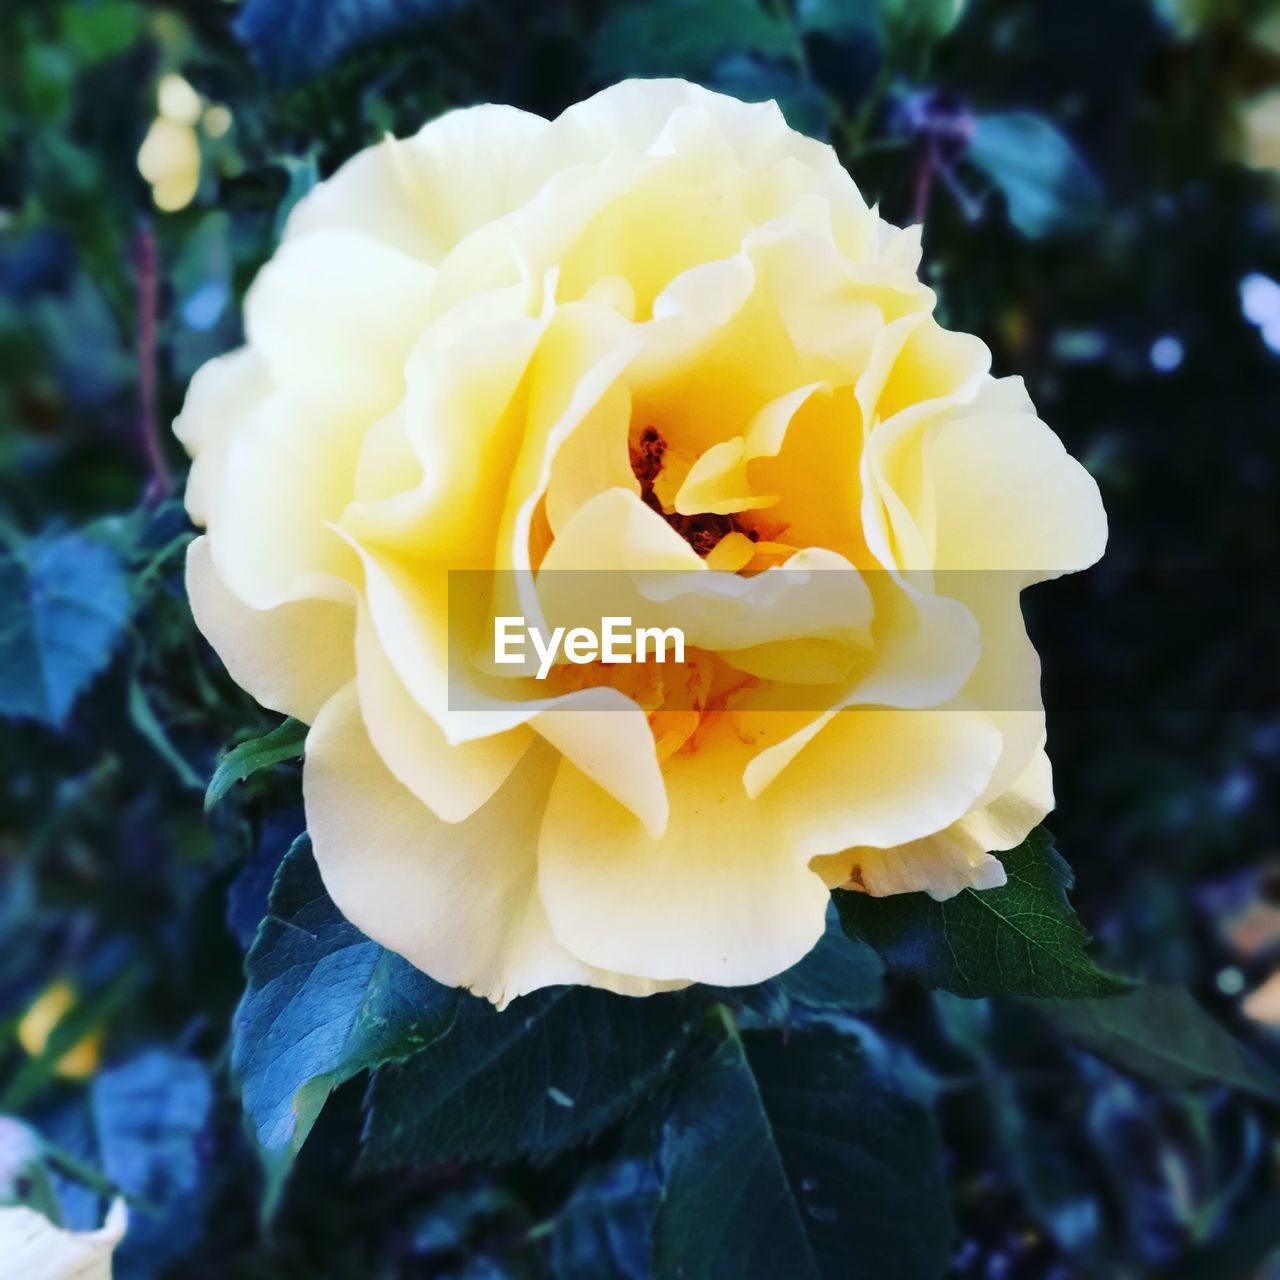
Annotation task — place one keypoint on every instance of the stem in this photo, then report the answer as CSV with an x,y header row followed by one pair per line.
x,y
147,276
924,182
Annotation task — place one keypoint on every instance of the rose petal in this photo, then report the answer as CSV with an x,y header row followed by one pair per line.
x,y
720,897
458,900
291,658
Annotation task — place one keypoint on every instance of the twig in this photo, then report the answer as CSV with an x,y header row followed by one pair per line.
x,y
146,274
924,180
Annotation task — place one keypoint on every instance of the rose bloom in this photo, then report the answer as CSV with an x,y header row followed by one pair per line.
x,y
661,332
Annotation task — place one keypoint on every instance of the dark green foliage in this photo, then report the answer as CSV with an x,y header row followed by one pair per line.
x,y
1047,186
668,37
790,1158
64,601
1022,939
285,742
322,1004
548,1073
1161,1034
290,39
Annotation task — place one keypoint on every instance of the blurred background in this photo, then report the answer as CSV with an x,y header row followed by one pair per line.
x,y
1099,182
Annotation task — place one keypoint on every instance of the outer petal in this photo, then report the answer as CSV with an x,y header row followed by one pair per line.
x,y
646,116
457,900
600,728
452,781
32,1248
289,471
955,858
339,310
720,897
1007,496
221,395
291,658
883,777
423,194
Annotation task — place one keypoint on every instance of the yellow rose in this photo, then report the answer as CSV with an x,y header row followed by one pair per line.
x,y
663,332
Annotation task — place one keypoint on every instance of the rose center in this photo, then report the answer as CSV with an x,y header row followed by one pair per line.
x,y
703,530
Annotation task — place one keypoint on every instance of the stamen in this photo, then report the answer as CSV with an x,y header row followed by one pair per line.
x,y
704,530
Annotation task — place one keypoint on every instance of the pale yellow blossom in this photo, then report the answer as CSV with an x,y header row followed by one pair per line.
x,y
611,342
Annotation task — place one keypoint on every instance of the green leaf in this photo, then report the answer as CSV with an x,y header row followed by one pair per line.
x,y
322,1004
293,39
673,37
551,1071
1161,1033
64,602
1021,939
1049,188
103,29
285,742
790,1158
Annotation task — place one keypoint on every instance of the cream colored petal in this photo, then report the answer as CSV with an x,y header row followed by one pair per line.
x,y
961,856
831,306
923,375
1003,395
934,363
720,897
223,392
457,900
815,595
612,744
581,357
618,557
701,222
958,857
1005,683
291,658
453,781
594,457
338,313
601,729
616,532
1007,820
719,481
638,115
885,350
288,472
883,777
32,1248
938,866
924,648
421,195
432,479
1008,497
